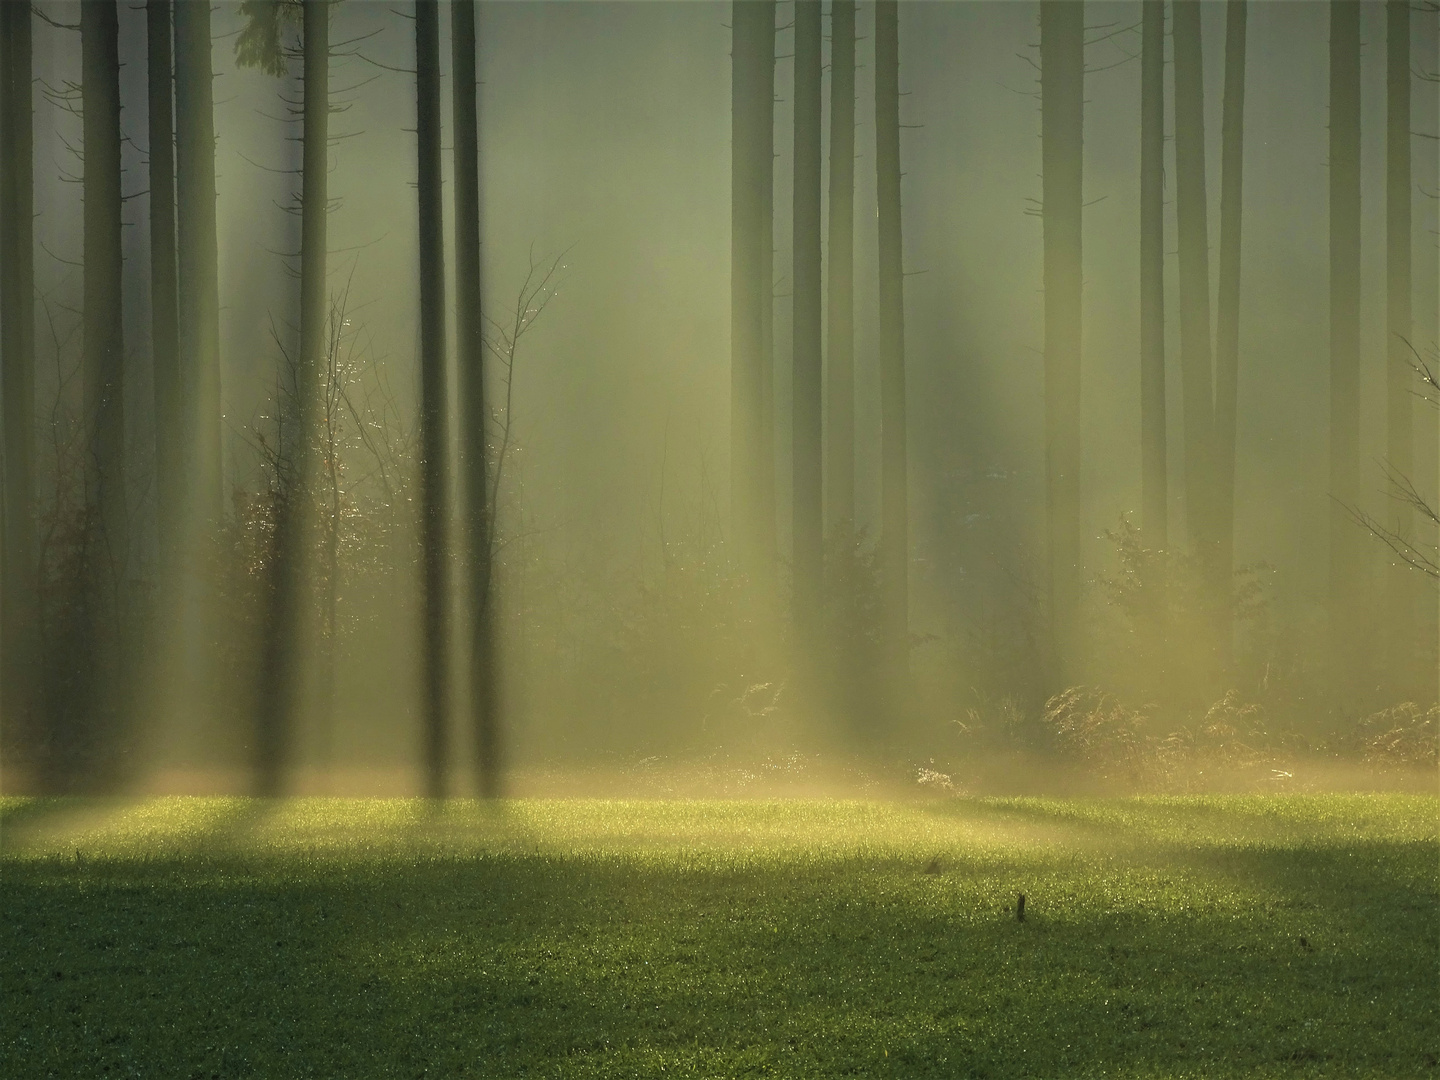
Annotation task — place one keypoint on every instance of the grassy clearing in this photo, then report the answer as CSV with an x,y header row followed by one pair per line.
x,y
1165,937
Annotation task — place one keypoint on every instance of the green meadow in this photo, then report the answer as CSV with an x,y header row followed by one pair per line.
x,y
1244,936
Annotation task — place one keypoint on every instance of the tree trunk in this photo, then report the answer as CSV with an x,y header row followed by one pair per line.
x,y
198,286
1062,87
1154,487
18,613
752,52
765,538
840,359
1400,380
1345,538
470,355
806,356
103,380
432,392
1227,318
1196,373
164,316
284,644
1426,29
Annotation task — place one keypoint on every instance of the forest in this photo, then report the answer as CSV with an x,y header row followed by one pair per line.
x,y
484,397
800,538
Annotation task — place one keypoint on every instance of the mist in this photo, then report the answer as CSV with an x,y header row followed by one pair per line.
x,y
652,595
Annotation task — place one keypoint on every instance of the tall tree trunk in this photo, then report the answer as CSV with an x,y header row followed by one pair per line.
x,y
765,538
1426,29
1345,538
752,52
1062,87
1227,318
806,356
1154,489
103,371
198,286
432,393
1196,374
470,355
284,643
18,613
164,317
840,358
894,469
1400,380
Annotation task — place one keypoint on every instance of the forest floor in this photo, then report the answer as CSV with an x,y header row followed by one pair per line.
x,y
1254,936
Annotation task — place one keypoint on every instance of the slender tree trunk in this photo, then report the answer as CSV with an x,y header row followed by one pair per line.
x,y
432,393
806,356
1154,489
18,612
1400,380
470,354
1196,373
840,359
1345,538
1227,318
164,317
103,372
284,645
1062,83
198,286
752,50
894,468
765,538
1427,313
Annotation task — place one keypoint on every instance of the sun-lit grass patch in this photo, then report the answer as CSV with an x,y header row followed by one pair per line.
x,y
1217,936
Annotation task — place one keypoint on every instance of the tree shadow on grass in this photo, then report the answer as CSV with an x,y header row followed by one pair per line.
x,y
527,964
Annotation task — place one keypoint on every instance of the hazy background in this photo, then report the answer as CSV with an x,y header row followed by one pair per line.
x,y
605,132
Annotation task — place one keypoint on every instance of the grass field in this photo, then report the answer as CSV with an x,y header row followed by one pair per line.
x,y
1164,937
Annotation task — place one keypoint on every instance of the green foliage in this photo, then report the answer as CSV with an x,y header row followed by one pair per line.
x,y
1195,937
260,43
1403,735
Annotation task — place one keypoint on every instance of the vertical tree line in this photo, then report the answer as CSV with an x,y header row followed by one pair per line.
x,y
1400,375
198,260
806,498
280,704
470,358
1154,486
1345,539
1062,88
18,570
433,504
840,299
106,527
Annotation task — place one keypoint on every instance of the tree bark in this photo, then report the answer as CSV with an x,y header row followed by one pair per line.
x,y
1154,484
751,106
765,538
1190,212
1400,374
198,285
1062,84
1227,317
1345,538
284,644
103,386
806,356
840,330
18,613
894,468
1426,31
470,355
432,394
164,315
